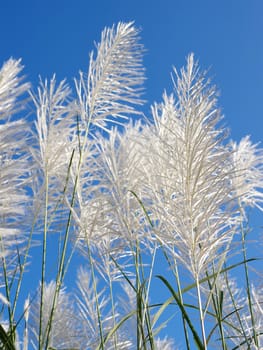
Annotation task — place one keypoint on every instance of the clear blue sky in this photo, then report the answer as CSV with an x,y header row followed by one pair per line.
x,y
54,36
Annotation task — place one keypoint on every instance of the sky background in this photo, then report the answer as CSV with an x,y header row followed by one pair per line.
x,y
54,36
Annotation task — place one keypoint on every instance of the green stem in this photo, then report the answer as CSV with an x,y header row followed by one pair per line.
x,y
41,340
248,286
96,296
202,323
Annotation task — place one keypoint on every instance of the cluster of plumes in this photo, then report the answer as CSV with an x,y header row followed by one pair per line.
x,y
14,164
171,180
14,168
75,322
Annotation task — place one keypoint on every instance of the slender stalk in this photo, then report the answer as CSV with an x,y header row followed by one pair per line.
x,y
61,270
7,290
236,310
174,268
43,269
141,344
217,301
147,309
178,282
112,308
248,286
144,298
22,270
201,312
96,296
137,298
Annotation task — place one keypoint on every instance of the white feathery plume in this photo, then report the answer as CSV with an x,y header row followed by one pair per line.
x,y
53,127
112,87
54,147
115,75
109,217
248,179
11,88
14,163
64,331
189,184
88,317
164,344
122,165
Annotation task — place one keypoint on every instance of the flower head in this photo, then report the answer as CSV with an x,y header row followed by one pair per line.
x,y
14,159
248,179
188,181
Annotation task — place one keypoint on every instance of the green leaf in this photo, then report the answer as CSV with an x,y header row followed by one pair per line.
x,y
6,340
184,312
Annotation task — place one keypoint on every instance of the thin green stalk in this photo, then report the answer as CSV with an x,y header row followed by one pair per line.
x,y
11,330
243,237
145,297
197,339
43,269
174,268
58,284
61,269
139,327
112,308
61,272
248,286
147,309
22,269
217,302
201,315
182,301
236,310
7,290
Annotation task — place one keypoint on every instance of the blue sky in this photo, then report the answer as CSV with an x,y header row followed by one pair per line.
x,y
226,36
54,36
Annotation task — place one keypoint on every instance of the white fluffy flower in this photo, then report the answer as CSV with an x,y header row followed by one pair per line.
x,y
188,180
64,332
14,158
248,179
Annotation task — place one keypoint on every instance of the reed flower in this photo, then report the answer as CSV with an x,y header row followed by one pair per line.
x,y
64,332
115,76
12,88
104,98
188,181
164,344
14,167
119,190
122,166
13,156
53,128
248,179
93,317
